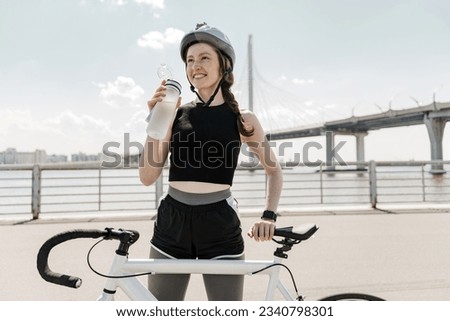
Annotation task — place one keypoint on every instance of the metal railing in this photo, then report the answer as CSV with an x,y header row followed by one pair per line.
x,y
87,187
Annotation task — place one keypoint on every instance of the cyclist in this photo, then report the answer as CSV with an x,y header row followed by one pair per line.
x,y
197,218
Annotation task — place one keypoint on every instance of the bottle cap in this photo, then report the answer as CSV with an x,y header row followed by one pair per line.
x,y
174,84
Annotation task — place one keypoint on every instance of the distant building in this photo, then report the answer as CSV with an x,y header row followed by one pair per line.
x,y
57,158
12,156
82,157
9,156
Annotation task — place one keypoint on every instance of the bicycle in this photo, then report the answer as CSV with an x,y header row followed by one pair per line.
x,y
124,272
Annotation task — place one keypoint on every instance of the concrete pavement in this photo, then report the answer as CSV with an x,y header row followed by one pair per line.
x,y
398,254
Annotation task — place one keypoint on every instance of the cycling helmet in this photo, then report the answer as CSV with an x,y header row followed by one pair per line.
x,y
210,35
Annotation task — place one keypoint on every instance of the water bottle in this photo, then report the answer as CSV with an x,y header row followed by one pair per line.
x,y
164,111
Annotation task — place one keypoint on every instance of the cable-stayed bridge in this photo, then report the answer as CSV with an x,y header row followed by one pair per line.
x,y
286,116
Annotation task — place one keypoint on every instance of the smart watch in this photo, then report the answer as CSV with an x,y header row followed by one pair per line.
x,y
270,215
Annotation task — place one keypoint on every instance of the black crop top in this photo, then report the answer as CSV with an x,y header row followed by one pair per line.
x,y
205,144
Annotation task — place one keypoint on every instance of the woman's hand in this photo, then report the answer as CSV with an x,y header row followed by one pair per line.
x,y
159,95
262,230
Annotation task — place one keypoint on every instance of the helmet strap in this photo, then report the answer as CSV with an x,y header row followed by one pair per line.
x,y
195,92
214,93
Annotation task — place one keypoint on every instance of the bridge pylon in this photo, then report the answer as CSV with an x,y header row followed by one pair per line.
x,y
436,127
330,145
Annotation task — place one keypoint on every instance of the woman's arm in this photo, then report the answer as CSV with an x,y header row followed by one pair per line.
x,y
258,144
152,159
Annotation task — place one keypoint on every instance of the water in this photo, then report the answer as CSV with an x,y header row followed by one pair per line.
x,y
81,191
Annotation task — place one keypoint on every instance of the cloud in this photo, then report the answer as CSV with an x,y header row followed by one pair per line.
x,y
68,123
63,133
297,81
123,92
16,120
114,2
136,120
136,126
157,40
156,4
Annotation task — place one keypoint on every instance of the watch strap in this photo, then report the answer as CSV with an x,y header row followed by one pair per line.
x,y
269,215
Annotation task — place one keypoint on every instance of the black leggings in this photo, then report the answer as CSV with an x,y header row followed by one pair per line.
x,y
172,287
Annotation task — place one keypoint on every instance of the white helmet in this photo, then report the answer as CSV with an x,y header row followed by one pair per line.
x,y
210,35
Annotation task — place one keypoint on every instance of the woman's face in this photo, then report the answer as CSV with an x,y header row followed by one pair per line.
x,y
203,67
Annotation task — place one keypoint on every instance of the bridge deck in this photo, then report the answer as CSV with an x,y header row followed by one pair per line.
x,y
355,124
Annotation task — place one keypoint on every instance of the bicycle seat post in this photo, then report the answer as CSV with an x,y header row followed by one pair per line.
x,y
287,245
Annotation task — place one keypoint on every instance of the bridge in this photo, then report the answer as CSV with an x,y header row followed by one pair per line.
x,y
294,123
434,116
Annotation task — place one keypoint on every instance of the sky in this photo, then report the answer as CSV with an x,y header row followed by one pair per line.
x,y
76,74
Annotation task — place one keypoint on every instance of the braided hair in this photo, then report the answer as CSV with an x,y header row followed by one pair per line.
x,y
226,83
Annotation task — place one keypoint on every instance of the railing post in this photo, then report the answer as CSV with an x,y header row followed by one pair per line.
x,y
373,183
100,188
159,188
423,183
329,136
36,192
321,183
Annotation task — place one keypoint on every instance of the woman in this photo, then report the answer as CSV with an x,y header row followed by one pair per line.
x,y
198,216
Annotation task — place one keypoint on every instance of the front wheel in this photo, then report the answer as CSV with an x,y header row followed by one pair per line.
x,y
351,297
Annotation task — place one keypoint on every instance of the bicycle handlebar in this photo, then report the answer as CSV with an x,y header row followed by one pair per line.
x,y
62,279
299,233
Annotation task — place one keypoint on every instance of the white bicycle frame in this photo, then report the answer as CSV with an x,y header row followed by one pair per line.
x,y
124,272
135,290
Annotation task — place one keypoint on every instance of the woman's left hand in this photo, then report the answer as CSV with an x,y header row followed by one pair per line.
x,y
262,230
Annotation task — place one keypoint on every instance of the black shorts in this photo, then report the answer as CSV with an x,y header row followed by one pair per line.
x,y
203,231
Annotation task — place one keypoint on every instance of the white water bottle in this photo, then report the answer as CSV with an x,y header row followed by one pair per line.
x,y
164,111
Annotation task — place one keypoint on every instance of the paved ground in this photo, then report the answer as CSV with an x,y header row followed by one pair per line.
x,y
398,254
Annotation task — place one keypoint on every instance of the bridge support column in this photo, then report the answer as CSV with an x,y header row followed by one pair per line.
x,y
360,149
329,136
435,127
